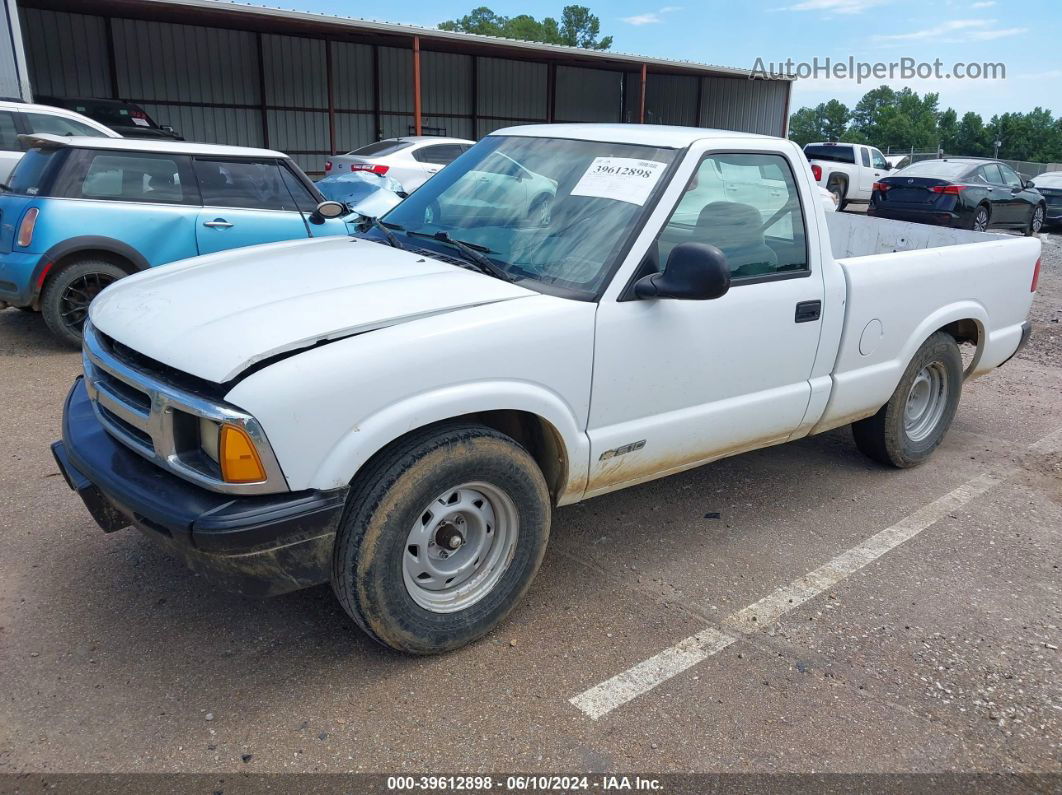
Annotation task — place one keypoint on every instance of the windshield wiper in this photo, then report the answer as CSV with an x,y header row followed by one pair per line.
x,y
376,223
471,252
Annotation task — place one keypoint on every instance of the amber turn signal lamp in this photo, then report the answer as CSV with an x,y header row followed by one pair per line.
x,y
239,458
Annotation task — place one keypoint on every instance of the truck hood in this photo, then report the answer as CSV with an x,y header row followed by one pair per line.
x,y
217,315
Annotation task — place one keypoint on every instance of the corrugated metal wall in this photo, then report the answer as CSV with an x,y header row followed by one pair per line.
x,y
207,84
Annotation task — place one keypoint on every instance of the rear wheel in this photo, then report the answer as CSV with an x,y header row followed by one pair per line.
x,y
1036,221
443,535
910,426
981,218
68,293
838,188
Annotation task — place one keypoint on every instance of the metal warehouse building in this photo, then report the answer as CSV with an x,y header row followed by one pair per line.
x,y
312,85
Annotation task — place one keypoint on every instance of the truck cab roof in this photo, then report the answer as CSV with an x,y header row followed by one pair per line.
x,y
662,135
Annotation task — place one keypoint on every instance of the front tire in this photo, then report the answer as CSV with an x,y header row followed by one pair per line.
x,y
442,536
910,426
68,293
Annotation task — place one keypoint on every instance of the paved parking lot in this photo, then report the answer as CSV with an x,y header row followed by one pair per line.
x,y
927,640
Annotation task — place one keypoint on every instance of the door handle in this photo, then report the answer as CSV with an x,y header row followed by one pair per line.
x,y
433,171
807,311
217,223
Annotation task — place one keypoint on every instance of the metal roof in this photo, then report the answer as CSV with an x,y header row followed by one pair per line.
x,y
232,14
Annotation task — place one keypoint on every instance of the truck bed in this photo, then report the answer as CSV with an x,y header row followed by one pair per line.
x,y
904,281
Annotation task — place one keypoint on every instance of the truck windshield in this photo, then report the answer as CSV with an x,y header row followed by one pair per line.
x,y
553,213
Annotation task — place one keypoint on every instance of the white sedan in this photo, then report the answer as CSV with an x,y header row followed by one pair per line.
x,y
411,160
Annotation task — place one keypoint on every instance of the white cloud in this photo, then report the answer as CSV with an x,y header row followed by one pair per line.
x,y
955,31
835,6
650,17
984,4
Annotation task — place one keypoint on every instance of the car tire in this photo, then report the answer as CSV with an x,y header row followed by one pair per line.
x,y
981,218
909,427
68,293
460,503
1036,221
839,189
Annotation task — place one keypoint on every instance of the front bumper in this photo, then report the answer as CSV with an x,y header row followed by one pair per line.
x,y
257,545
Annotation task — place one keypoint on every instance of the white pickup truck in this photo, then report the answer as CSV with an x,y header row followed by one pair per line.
x,y
399,412
848,171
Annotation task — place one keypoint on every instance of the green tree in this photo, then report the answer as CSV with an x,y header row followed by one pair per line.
x,y
972,138
577,28
948,129
825,122
835,116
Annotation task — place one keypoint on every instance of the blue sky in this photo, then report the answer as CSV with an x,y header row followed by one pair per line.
x,y
1025,36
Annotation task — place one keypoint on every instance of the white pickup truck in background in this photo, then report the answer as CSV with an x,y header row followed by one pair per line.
x,y
400,412
848,171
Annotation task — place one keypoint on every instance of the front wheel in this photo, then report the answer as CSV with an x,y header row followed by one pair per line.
x,y
1036,221
910,426
443,534
68,293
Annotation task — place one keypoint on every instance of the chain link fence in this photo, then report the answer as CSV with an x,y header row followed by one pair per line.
x,y
1026,168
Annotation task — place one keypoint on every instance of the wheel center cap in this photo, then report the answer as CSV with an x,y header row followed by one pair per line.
x,y
449,537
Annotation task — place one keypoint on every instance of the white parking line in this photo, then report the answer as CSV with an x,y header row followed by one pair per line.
x,y
601,699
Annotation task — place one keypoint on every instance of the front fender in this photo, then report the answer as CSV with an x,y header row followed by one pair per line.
x,y
376,431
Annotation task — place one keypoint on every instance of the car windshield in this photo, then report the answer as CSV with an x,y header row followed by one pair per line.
x,y
380,148
29,171
555,213
113,113
830,152
941,169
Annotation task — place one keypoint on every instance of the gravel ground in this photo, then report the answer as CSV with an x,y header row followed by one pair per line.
x,y
942,655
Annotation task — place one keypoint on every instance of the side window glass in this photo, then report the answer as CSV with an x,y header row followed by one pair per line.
x,y
878,159
305,200
864,155
1010,177
133,177
747,205
8,132
59,125
242,183
992,174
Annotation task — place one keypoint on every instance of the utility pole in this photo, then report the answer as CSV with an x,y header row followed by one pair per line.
x,y
995,154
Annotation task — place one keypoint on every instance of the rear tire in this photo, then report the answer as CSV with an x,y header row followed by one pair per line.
x,y
982,217
68,293
839,189
442,536
910,426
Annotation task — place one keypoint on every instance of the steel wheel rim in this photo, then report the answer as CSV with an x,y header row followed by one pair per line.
x,y
926,402
460,546
981,220
1038,219
74,304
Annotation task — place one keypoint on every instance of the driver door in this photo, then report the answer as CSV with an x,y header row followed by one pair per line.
x,y
678,383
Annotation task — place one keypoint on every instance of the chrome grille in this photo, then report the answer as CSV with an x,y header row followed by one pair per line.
x,y
142,412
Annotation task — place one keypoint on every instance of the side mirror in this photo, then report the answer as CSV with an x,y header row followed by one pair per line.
x,y
694,272
887,166
331,209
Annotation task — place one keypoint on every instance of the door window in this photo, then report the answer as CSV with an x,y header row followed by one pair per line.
x,y
304,199
747,205
1009,176
59,125
243,183
878,159
8,132
132,177
991,174
864,155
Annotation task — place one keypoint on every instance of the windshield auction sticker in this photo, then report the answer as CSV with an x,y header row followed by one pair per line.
x,y
622,178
